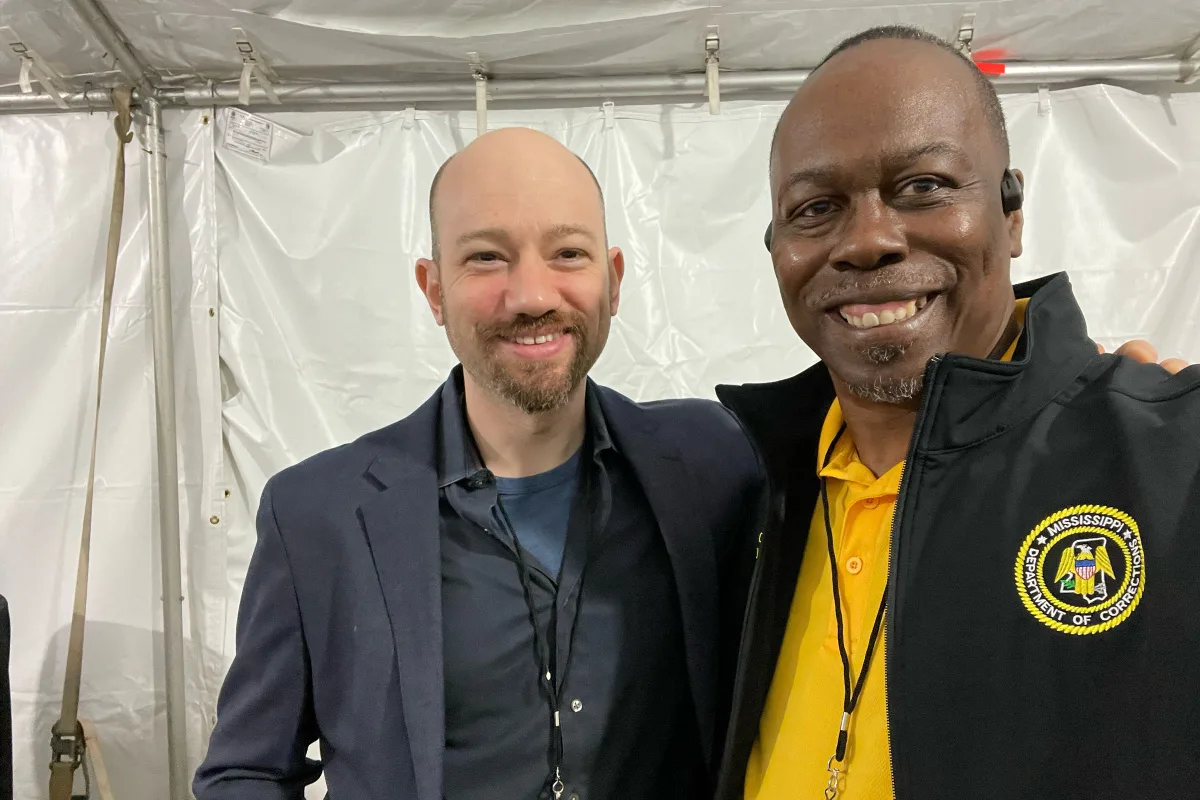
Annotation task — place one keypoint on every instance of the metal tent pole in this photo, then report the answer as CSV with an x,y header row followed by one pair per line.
x,y
108,34
690,85
168,467
91,100
103,28
679,86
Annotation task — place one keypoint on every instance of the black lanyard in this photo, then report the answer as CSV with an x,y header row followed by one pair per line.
x,y
850,695
542,651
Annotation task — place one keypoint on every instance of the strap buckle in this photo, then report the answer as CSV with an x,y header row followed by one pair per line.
x,y
68,754
68,747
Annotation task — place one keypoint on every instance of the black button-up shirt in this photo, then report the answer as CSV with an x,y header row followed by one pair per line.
x,y
617,650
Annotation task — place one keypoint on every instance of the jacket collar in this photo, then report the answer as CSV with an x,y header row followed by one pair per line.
x,y
458,454
978,398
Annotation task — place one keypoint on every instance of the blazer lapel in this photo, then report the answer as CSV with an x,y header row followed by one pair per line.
x,y
668,485
401,524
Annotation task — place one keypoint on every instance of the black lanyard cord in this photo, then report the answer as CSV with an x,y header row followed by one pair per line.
x,y
850,695
543,655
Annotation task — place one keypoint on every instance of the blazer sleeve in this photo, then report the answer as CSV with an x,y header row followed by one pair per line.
x,y
736,557
265,720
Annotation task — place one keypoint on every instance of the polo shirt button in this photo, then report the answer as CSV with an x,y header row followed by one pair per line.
x,y
854,565
576,705
574,796
871,502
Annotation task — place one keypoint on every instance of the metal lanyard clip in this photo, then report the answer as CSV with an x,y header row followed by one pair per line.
x,y
835,775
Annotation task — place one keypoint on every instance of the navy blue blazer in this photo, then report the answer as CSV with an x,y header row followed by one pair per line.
x,y
339,635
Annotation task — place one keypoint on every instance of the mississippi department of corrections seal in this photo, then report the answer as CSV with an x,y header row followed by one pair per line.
x,y
1082,570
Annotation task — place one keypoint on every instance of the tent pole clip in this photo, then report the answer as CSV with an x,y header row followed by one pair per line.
x,y
34,68
966,33
479,73
254,67
712,67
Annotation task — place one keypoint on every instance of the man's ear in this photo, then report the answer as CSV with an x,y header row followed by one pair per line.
x,y
616,272
429,280
1016,223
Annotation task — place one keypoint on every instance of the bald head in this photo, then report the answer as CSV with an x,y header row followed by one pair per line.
x,y
522,277
518,155
884,47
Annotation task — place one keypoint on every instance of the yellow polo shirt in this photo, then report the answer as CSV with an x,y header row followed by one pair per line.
x,y
799,726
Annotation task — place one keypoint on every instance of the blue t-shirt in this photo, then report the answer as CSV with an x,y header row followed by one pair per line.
x,y
539,507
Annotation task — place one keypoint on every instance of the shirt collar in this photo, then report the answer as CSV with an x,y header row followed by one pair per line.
x,y
458,457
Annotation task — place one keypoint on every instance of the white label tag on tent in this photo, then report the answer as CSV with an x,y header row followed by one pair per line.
x,y
248,134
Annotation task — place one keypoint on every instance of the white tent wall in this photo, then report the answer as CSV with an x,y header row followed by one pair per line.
x,y
320,334
54,213
325,335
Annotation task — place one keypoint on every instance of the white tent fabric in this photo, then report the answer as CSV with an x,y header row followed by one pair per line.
x,y
410,39
320,334
54,201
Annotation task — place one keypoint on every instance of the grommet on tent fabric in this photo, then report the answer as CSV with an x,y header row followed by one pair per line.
x,y
479,72
1043,100
712,65
610,114
410,117
34,68
254,67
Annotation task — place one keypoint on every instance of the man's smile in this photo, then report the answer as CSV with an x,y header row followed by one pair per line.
x,y
888,312
537,345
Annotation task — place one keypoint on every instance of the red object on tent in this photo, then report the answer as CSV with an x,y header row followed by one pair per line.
x,y
989,62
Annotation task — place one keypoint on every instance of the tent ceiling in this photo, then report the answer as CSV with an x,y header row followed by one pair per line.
x,y
396,40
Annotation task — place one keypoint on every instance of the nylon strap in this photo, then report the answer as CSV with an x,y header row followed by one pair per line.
x,y
68,734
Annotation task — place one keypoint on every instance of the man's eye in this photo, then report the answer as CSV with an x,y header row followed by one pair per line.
x,y
922,186
571,254
485,257
817,208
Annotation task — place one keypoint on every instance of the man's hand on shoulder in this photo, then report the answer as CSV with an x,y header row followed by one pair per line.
x,y
1143,351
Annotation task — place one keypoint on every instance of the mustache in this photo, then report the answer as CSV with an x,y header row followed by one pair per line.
x,y
904,276
526,325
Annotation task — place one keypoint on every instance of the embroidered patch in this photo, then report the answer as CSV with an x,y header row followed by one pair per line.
x,y
1082,569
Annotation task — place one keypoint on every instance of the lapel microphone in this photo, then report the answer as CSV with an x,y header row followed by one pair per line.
x,y
482,478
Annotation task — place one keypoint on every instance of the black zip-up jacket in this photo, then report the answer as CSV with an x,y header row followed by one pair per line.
x,y
1042,638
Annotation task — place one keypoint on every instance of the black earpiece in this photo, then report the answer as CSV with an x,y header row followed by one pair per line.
x,y
1011,199
1011,195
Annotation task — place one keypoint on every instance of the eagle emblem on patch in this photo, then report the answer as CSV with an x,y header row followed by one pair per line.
x,y
1082,570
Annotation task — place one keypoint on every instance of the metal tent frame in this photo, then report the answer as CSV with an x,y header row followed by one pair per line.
x,y
152,96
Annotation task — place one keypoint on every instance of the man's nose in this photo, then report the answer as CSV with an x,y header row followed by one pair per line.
x,y
532,287
872,236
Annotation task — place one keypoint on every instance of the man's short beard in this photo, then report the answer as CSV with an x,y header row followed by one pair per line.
x,y
534,392
534,396
889,391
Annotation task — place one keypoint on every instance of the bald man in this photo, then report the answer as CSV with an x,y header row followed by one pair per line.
x,y
982,581
516,592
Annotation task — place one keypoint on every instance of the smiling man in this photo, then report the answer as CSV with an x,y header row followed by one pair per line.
x,y
517,590
979,578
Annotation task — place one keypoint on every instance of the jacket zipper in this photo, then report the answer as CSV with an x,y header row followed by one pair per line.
x,y
930,373
765,523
